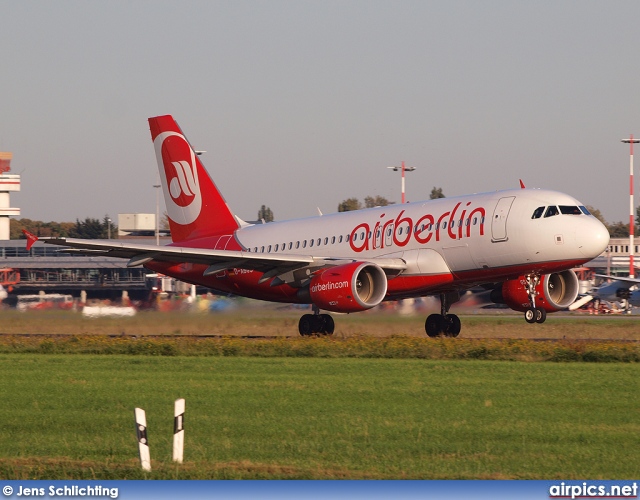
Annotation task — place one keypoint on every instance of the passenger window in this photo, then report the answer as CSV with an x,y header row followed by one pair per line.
x,y
297,245
311,243
262,250
304,244
347,238
290,245
340,241
569,210
269,249
276,248
333,240
551,211
318,241
537,213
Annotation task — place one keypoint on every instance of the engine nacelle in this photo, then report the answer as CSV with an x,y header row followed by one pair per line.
x,y
349,288
554,292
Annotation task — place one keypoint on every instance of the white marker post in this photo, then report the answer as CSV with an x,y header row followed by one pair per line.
x,y
143,442
178,431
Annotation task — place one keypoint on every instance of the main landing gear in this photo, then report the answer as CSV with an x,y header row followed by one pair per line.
x,y
533,314
444,324
316,323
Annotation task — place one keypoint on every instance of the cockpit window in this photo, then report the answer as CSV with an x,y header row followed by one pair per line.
x,y
537,213
569,210
551,211
584,210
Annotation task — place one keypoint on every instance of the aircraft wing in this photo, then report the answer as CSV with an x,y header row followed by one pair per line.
x,y
624,279
616,290
217,260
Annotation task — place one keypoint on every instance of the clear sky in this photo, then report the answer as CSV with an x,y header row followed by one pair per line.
x,y
302,104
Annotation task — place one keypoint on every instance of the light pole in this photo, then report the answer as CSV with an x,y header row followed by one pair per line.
x,y
108,228
404,169
631,141
157,186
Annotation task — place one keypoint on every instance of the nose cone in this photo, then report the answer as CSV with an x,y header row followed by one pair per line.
x,y
592,237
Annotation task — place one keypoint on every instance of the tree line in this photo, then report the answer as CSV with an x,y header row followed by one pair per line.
x,y
89,228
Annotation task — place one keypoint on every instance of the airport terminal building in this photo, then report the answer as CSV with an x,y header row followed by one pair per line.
x,y
44,269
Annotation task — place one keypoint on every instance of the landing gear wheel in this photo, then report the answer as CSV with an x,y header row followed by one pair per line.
x,y
434,326
306,324
530,315
453,325
541,315
327,325
316,323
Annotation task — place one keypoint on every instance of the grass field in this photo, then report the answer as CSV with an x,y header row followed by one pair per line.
x,y
378,400
284,323
72,417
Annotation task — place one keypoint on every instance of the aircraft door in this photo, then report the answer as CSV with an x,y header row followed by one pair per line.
x,y
388,235
378,238
499,219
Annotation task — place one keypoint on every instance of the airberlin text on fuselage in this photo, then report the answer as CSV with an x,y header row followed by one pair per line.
x,y
451,225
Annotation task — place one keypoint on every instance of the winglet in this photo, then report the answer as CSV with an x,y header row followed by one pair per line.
x,y
31,238
521,184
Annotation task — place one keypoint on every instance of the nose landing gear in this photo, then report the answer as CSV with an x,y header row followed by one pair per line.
x,y
534,314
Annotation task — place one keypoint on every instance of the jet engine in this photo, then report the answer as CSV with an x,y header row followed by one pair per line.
x,y
554,292
347,288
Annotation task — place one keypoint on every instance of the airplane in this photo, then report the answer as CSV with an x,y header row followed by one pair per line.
x,y
616,290
523,243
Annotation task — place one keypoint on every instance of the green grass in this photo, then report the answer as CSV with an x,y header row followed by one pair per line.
x,y
397,347
72,417
265,321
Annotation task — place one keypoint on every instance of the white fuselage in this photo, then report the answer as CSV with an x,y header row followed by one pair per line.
x,y
470,233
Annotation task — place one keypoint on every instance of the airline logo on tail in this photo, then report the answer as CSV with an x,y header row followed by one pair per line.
x,y
181,185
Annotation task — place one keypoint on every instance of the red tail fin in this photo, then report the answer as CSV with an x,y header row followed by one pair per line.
x,y
195,207
31,238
